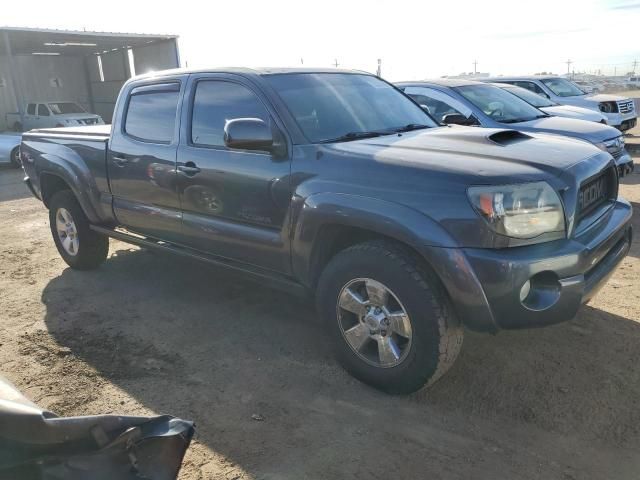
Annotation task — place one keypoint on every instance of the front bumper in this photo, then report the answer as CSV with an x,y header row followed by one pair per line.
x,y
622,121
625,164
563,274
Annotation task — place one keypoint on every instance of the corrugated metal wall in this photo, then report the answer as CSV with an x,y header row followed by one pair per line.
x,y
42,78
77,79
156,56
116,71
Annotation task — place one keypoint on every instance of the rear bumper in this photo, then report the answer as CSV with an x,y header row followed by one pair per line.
x,y
563,274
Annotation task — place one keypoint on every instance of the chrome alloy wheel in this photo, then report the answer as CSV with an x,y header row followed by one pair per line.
x,y
67,231
374,322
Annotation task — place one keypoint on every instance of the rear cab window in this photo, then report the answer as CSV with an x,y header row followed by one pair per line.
x,y
151,113
31,109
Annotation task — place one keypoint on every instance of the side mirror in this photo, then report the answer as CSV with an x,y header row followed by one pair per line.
x,y
248,134
456,119
425,108
543,94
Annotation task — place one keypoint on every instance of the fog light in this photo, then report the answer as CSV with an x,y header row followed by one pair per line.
x,y
524,291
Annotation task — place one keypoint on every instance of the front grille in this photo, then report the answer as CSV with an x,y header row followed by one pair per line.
x,y
625,106
596,191
617,153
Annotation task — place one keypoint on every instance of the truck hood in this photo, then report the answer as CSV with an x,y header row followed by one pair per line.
x,y
591,101
590,131
477,154
571,111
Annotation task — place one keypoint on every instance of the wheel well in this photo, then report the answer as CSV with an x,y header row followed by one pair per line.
x,y
332,239
50,185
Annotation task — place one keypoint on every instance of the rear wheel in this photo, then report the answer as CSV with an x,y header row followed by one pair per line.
x,y
390,318
78,245
15,157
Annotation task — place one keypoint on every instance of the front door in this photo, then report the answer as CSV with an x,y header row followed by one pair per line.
x,y
235,203
142,160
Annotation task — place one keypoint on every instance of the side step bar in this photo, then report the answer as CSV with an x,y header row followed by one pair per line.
x,y
273,279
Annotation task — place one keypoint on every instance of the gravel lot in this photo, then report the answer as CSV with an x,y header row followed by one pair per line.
x,y
150,333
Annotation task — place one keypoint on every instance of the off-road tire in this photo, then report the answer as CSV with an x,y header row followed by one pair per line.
x,y
93,247
436,331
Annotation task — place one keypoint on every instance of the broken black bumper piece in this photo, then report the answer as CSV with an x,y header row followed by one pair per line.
x,y
38,445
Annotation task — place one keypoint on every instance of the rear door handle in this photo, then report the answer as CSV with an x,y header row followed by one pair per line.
x,y
189,169
119,161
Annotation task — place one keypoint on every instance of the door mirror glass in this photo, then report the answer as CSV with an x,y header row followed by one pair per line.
x,y
248,134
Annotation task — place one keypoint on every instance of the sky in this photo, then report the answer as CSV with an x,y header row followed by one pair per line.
x,y
414,39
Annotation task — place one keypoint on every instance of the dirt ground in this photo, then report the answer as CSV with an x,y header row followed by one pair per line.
x,y
149,333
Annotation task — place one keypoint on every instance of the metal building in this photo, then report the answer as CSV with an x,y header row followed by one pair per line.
x,y
89,68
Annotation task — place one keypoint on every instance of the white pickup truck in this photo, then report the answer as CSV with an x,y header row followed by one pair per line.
x,y
51,115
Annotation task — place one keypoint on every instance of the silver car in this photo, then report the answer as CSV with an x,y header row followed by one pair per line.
x,y
10,149
480,104
551,107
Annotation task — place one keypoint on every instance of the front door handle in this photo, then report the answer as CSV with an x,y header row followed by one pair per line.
x,y
189,169
119,161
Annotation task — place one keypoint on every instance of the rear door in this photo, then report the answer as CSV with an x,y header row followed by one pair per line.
x,y
235,203
142,159
44,118
30,117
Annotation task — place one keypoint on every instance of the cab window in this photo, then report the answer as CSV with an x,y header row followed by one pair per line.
x,y
151,113
215,103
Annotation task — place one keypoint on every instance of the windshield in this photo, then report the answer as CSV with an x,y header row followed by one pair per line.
x,y
342,106
499,104
62,108
530,97
562,87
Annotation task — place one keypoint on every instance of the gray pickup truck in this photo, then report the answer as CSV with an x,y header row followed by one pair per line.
x,y
336,183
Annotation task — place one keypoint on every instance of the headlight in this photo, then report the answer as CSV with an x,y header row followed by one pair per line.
x,y
612,146
525,210
608,107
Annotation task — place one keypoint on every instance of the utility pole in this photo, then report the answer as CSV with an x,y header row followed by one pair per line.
x,y
635,64
475,67
568,62
379,71
335,63
301,61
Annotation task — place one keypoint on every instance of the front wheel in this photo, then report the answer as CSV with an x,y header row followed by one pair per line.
x,y
78,245
391,322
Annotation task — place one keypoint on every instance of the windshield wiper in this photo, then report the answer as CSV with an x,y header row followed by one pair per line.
x,y
410,127
517,120
353,136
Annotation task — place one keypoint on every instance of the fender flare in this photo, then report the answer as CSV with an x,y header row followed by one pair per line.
x,y
398,222
67,165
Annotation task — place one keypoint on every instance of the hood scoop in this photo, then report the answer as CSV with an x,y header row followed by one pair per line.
x,y
507,137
